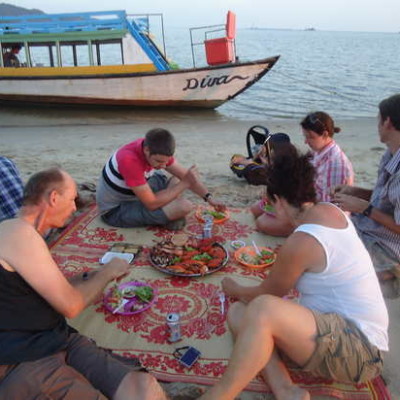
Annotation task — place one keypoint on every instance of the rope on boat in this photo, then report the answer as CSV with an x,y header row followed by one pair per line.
x,y
334,92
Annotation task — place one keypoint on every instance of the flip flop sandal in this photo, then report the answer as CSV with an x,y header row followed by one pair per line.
x,y
91,187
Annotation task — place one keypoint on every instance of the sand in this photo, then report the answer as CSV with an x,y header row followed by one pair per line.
x,y
80,141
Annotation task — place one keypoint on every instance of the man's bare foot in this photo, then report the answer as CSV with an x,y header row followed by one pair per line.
x,y
293,392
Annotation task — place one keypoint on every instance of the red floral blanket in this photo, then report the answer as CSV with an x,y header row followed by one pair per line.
x,y
145,335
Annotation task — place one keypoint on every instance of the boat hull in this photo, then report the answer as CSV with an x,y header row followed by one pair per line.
x,y
207,87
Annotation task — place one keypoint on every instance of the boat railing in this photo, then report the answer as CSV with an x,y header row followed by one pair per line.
x,y
19,30
219,27
56,23
139,27
218,50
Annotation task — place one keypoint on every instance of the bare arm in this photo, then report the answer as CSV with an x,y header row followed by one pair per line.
x,y
179,171
356,205
361,193
385,219
25,252
92,287
153,201
197,186
299,253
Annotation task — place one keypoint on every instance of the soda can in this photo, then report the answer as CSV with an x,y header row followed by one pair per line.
x,y
174,324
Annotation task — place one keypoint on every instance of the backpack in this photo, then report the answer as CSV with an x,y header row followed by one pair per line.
x,y
253,169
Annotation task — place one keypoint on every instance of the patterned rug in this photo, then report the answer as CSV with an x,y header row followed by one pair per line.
x,y
203,324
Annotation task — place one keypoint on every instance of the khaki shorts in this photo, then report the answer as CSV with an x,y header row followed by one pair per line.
x,y
343,353
82,372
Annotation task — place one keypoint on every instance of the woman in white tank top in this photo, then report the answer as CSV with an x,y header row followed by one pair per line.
x,y
339,327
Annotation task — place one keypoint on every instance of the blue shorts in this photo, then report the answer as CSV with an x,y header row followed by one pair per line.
x,y
130,214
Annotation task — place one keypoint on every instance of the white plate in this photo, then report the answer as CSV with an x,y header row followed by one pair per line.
x,y
128,257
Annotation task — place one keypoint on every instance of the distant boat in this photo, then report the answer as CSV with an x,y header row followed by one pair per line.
x,y
309,29
65,56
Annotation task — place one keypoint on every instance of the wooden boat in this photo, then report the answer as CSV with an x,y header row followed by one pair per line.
x,y
111,58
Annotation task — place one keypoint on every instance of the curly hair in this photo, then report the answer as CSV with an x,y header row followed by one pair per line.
x,y
292,176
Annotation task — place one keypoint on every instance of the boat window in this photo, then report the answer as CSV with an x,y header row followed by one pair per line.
x,y
75,54
43,55
107,53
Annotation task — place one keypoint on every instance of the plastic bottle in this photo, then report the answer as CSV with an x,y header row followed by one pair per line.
x,y
208,226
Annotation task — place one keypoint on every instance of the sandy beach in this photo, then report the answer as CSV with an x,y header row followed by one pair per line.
x,y
81,142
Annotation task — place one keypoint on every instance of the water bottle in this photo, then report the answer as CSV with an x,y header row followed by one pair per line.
x,y
208,225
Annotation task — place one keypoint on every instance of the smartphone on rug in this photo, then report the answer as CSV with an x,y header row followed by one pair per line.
x,y
187,355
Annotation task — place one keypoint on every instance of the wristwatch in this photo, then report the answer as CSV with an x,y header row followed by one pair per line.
x,y
207,196
368,210
85,276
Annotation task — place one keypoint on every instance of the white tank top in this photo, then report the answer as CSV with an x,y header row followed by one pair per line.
x,y
348,286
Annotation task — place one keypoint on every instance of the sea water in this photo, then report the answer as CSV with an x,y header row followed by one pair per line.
x,y
343,73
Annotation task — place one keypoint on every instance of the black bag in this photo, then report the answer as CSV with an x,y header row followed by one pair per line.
x,y
253,170
257,134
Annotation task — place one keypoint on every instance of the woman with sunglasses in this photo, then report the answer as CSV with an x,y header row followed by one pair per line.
x,y
332,166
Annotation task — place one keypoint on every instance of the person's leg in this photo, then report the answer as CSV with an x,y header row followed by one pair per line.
x,y
112,377
275,372
47,378
176,209
273,226
139,386
386,265
266,322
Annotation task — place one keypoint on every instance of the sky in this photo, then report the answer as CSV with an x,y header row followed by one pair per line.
x,y
336,15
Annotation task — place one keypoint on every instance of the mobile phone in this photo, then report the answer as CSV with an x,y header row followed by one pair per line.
x,y
187,356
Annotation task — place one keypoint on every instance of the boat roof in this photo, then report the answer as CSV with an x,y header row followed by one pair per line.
x,y
73,26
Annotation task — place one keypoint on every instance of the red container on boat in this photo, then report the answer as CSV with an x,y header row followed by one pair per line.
x,y
219,51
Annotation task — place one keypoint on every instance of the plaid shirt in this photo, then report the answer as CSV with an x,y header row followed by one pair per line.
x,y
385,197
11,189
332,168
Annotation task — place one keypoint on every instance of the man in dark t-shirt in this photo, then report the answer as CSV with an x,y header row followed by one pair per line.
x,y
40,355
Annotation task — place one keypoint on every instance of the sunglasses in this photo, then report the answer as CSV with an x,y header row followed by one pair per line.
x,y
314,120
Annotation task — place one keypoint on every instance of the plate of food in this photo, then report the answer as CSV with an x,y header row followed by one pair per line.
x,y
219,217
248,257
130,298
194,257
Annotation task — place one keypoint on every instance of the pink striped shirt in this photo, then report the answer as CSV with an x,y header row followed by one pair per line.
x,y
332,168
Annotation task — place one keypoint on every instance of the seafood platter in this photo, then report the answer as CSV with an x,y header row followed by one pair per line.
x,y
182,255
